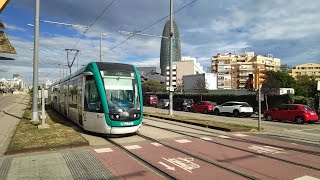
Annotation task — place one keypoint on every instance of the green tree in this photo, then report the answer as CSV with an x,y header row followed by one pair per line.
x,y
306,86
153,86
275,80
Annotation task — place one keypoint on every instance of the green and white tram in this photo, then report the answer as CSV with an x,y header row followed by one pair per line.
x,y
101,97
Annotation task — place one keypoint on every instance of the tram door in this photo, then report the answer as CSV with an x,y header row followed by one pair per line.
x,y
92,104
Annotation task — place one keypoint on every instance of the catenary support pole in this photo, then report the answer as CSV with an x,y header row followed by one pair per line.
x,y
170,62
35,64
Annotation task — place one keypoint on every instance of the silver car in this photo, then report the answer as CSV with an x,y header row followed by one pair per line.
x,y
163,103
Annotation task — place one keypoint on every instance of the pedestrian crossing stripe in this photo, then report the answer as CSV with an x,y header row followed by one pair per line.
x,y
240,135
156,144
206,138
225,137
182,141
306,178
103,150
133,147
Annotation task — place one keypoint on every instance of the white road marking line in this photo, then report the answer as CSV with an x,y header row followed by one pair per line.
x,y
103,150
133,147
156,144
225,137
306,178
206,138
267,149
168,167
294,143
240,135
182,141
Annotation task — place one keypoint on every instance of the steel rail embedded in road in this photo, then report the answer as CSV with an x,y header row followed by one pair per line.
x,y
201,159
237,138
274,158
146,163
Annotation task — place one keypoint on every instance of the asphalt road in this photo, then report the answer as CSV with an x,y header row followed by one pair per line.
x,y
308,133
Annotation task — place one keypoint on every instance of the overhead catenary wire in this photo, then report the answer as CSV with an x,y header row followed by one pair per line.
x,y
104,10
147,27
87,29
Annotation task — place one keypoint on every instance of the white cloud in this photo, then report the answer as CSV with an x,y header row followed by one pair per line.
x,y
14,28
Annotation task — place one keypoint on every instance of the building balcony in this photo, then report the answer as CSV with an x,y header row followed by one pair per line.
x,y
246,69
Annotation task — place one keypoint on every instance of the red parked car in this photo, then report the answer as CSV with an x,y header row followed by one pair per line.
x,y
203,107
150,100
299,113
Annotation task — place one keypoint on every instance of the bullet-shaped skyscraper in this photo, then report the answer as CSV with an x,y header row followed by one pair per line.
x,y
165,47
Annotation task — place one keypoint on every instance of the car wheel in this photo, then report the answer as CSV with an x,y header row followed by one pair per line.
x,y
299,120
236,113
216,112
268,117
205,111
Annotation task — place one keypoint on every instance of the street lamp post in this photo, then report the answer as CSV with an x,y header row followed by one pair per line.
x,y
35,64
101,45
36,56
170,62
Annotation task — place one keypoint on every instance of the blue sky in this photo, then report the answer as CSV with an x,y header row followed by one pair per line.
x,y
287,29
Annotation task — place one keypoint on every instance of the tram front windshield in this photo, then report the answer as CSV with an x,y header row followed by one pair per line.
x,y
121,90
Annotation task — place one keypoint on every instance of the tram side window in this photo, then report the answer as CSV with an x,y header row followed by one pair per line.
x,y
92,101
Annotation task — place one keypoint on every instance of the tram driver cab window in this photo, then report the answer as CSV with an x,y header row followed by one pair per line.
x,y
92,101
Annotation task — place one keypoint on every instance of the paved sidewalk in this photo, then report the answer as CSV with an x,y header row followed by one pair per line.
x,y
9,120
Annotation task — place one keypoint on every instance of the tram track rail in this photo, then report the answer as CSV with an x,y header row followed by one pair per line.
x,y
237,138
229,146
214,163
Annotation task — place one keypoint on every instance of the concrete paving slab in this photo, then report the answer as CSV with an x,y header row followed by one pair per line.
x,y
45,166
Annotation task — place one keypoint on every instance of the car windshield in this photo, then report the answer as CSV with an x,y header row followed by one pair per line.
x,y
306,108
212,103
153,97
121,90
245,105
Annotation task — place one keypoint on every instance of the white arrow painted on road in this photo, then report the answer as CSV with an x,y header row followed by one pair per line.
x,y
168,167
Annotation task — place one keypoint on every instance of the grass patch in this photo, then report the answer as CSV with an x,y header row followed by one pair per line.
x,y
60,134
204,122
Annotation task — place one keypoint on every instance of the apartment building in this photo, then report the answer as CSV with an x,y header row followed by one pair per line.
x,y
309,69
187,66
233,69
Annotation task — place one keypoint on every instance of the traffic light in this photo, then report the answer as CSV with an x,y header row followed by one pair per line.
x,y
262,76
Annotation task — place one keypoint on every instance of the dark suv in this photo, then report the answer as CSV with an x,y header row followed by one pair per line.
x,y
182,104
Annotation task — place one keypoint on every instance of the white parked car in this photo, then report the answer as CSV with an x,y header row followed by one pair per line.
x,y
235,108
163,103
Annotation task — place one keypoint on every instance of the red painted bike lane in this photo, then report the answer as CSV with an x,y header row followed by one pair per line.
x,y
181,165
282,144
122,166
259,166
283,150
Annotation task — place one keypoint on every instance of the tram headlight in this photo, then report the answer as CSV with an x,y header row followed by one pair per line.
x,y
136,116
114,116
